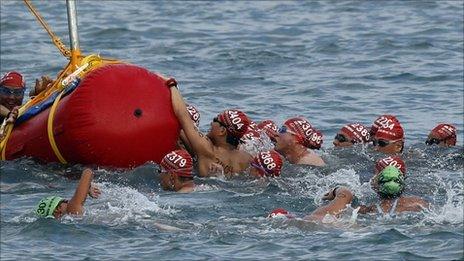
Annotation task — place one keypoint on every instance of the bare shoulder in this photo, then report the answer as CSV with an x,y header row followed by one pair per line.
x,y
312,159
413,203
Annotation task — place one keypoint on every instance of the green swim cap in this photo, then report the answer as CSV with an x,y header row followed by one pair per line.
x,y
391,182
47,205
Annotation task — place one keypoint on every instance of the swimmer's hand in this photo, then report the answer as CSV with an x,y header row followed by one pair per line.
x,y
330,195
12,115
41,85
94,191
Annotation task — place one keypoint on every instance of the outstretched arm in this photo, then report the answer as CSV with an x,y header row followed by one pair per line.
x,y
199,143
84,188
339,197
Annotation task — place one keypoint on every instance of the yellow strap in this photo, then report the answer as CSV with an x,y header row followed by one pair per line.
x,y
51,137
9,127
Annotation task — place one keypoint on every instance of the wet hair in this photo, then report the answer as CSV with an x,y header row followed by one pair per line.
x,y
232,140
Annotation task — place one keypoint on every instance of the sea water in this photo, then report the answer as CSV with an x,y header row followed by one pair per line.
x,y
334,62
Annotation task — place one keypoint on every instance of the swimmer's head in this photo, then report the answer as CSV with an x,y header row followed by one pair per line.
x,y
12,88
443,135
390,182
298,130
267,163
47,206
235,122
194,114
351,134
382,121
175,168
280,213
389,139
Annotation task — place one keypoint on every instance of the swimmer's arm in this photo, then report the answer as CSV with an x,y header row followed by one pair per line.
x,y
199,143
75,205
342,197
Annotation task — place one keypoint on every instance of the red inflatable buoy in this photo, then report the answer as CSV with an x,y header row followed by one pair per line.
x,y
120,115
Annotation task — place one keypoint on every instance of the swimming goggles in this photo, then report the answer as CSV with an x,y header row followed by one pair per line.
x,y
218,121
284,129
342,138
432,141
382,143
10,91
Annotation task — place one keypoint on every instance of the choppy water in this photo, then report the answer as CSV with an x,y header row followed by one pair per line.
x,y
333,62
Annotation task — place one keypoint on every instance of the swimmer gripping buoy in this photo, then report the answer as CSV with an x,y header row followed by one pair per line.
x,y
119,115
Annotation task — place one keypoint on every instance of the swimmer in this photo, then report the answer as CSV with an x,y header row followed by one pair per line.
x,y
12,87
389,139
266,164
56,207
444,135
219,146
297,140
351,134
390,187
176,172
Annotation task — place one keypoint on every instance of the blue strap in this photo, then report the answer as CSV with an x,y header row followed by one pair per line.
x,y
38,108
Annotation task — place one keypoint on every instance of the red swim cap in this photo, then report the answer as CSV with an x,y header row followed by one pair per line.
x,y
179,162
269,127
235,121
194,114
393,131
315,140
253,125
357,132
13,80
280,212
307,136
268,162
382,121
250,134
394,161
445,132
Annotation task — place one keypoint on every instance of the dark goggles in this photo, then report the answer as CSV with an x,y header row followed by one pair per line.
x,y
432,141
220,123
10,91
342,138
381,143
284,129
